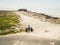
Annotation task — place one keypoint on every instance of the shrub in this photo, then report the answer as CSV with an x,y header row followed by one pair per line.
x,y
8,20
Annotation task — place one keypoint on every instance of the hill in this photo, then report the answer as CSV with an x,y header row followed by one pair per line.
x,y
43,17
42,26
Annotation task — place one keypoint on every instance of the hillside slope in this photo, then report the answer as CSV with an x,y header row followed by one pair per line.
x,y
45,33
9,21
41,28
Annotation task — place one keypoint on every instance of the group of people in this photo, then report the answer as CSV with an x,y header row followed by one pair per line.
x,y
29,29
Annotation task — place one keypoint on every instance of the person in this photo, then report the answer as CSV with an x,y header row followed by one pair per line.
x,y
29,28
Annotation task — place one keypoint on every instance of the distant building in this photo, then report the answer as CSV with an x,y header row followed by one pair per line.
x,y
22,9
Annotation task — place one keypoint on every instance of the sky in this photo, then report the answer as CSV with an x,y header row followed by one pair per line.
x,y
33,5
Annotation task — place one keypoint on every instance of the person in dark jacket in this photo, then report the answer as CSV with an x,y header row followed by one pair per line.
x,y
29,28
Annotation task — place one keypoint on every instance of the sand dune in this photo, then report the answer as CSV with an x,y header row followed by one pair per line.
x,y
44,33
42,29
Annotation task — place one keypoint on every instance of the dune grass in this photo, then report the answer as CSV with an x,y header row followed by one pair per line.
x,y
7,21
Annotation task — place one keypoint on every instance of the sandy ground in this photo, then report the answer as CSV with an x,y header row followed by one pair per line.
x,y
27,39
37,37
53,30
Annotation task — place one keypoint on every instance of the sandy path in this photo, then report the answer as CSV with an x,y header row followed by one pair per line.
x,y
27,39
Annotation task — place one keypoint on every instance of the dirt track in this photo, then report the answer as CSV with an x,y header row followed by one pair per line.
x,y
26,39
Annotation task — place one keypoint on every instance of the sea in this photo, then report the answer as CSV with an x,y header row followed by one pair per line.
x,y
55,12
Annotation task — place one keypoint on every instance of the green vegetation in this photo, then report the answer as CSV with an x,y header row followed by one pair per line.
x,y
8,22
